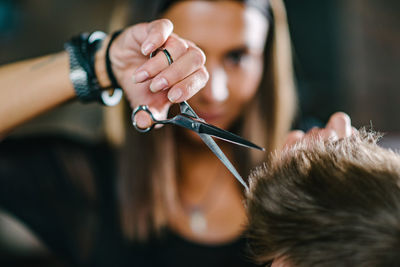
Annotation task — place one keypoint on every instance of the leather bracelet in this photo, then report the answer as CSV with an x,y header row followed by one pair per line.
x,y
110,73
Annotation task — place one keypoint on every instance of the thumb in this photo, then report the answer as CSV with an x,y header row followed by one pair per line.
x,y
144,120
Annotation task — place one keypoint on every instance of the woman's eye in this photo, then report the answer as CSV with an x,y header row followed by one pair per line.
x,y
235,57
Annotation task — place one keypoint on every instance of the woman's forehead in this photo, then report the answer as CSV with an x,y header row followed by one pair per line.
x,y
206,22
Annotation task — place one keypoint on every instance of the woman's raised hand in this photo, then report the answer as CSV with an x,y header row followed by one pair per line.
x,y
152,81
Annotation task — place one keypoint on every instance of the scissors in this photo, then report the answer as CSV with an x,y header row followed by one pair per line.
x,y
189,120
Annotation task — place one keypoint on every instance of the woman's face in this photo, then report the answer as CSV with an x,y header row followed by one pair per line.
x,y
233,38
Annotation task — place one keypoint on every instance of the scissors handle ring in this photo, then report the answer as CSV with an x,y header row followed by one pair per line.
x,y
146,109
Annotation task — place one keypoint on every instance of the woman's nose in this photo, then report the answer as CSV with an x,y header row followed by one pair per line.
x,y
216,89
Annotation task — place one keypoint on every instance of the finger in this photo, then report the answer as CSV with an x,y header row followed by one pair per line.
x,y
143,120
138,94
158,32
175,46
183,67
318,133
293,137
313,133
341,123
189,86
158,110
141,95
328,134
161,114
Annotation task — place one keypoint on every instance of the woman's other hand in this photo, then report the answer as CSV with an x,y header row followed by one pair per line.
x,y
338,126
154,82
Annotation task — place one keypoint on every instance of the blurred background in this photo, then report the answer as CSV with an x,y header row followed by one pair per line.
x,y
347,58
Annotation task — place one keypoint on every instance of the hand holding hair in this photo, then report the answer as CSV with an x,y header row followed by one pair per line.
x,y
338,127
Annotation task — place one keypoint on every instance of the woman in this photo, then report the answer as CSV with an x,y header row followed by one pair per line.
x,y
231,100
165,199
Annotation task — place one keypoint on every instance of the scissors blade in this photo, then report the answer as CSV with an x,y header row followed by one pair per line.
x,y
226,136
218,152
186,109
215,131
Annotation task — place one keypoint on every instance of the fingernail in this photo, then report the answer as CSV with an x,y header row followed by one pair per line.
x,y
139,77
147,49
174,95
158,85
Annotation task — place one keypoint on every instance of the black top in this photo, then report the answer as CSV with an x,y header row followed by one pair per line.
x,y
78,218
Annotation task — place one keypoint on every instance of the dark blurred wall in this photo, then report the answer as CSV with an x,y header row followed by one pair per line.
x,y
30,28
347,57
370,62
313,27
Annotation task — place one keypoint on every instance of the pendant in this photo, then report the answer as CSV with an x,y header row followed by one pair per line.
x,y
198,221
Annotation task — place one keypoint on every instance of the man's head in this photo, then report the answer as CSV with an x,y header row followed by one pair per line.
x,y
327,204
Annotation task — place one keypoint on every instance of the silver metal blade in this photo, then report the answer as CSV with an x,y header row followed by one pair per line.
x,y
218,152
226,136
186,109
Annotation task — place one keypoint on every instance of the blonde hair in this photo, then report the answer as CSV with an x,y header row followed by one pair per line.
x,y
148,184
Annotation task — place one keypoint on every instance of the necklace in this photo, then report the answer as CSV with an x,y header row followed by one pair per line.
x,y
197,213
197,220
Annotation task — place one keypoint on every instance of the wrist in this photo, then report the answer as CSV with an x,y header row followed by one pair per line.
x,y
100,65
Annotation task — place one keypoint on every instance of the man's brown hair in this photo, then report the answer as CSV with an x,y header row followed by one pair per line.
x,y
327,203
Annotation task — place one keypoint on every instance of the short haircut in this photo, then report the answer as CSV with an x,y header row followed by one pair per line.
x,y
327,203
